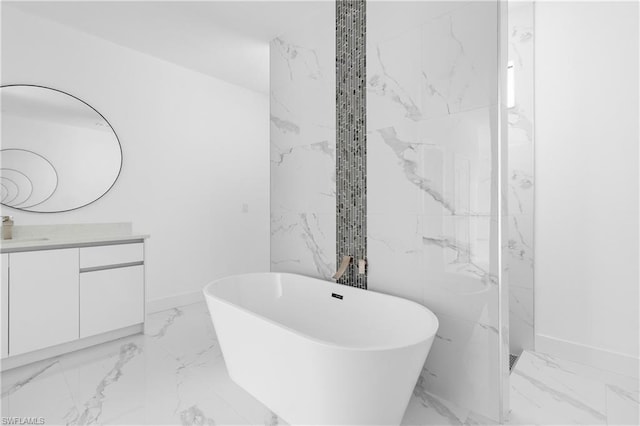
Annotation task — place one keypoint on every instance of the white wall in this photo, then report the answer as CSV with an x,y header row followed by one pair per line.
x,y
195,150
586,227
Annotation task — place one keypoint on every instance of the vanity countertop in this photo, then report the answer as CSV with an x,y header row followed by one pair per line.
x,y
52,237
28,244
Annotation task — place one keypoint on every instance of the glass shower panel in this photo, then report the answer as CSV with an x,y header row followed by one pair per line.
x,y
434,127
520,177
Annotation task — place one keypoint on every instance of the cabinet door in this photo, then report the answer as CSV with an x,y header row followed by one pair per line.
x,y
111,299
4,305
43,299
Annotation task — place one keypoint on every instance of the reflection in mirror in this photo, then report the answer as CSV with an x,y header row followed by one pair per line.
x,y
58,153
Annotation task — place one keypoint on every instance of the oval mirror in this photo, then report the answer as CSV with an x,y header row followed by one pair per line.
x,y
57,154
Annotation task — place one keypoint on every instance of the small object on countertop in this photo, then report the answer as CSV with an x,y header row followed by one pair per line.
x,y
7,227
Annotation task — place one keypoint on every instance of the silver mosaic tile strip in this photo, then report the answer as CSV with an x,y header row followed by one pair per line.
x,y
351,138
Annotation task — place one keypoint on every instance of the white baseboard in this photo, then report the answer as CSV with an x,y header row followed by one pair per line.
x,y
162,304
52,351
589,355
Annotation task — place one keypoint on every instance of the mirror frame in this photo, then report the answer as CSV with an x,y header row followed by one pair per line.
x,y
106,121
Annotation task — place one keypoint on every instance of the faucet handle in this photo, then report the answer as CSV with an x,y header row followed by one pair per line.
x,y
362,266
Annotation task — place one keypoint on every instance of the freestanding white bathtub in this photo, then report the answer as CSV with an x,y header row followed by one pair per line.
x,y
316,352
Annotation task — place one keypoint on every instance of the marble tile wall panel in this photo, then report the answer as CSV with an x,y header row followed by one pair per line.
x,y
432,127
520,177
303,243
303,149
520,317
432,111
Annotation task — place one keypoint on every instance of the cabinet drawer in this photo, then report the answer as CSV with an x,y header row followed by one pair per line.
x,y
91,257
111,299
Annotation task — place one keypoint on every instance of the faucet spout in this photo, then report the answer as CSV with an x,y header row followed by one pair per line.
x,y
344,264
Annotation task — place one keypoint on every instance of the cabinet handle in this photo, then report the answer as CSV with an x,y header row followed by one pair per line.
x,y
116,266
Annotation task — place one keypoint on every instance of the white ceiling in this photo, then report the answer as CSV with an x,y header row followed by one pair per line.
x,y
223,39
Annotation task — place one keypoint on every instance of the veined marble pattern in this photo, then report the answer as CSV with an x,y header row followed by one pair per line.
x,y
438,67
546,390
520,177
303,150
173,374
459,65
461,349
432,228
431,143
303,243
521,317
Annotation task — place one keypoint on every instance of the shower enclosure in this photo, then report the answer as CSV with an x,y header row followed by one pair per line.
x,y
437,184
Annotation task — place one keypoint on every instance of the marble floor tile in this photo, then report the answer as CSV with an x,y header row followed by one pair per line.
x,y
547,390
426,408
549,364
185,332
175,374
38,390
245,404
107,381
521,323
623,406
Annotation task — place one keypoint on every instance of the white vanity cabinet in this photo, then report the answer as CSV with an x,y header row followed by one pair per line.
x,y
43,299
111,288
4,306
61,298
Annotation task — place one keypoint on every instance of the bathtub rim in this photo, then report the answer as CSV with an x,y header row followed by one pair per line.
x,y
325,343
